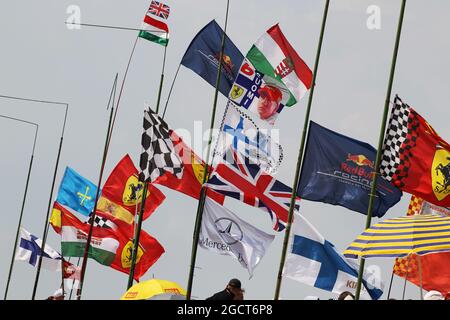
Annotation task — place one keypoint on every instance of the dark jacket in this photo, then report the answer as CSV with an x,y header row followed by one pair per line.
x,y
222,295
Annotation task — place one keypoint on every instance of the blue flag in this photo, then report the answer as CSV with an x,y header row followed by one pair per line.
x,y
338,170
203,54
76,192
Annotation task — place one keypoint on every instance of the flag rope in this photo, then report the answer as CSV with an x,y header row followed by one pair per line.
x,y
11,266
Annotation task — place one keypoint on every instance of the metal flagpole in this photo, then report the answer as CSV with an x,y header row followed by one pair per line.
x,y
406,276
381,140
390,285
44,238
102,167
11,266
73,282
300,155
138,226
201,201
111,27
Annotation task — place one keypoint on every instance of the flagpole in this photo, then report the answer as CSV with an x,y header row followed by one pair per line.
x,y
300,154
62,277
201,201
54,174
170,91
11,266
102,167
381,140
406,277
111,27
73,282
390,285
138,228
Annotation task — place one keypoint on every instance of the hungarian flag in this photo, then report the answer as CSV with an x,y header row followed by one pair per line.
x,y
415,158
154,27
284,71
191,180
122,192
74,234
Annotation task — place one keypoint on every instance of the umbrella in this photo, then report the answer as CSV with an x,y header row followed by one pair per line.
x,y
420,234
155,289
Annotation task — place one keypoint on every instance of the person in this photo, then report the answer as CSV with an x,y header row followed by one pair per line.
x,y
269,102
233,291
346,296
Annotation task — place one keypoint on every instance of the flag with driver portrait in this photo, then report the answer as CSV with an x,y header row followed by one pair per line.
x,y
159,155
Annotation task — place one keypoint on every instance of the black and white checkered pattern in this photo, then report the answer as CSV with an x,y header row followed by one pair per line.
x,y
159,155
396,136
102,222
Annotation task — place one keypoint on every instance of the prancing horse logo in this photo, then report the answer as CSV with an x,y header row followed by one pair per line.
x,y
229,231
440,174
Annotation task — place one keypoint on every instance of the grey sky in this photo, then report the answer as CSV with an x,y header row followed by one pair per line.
x,y
41,58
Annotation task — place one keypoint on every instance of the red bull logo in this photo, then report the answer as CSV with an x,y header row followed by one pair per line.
x,y
227,64
358,165
360,160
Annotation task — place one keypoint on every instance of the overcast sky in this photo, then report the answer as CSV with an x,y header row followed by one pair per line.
x,y
42,59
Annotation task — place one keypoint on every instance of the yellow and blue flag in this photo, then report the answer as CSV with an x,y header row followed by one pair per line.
x,y
77,192
339,170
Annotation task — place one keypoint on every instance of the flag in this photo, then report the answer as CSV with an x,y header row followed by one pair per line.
x,y
149,251
239,178
154,27
314,261
434,267
71,271
30,248
122,192
191,179
225,233
76,192
240,131
107,226
283,69
203,54
158,156
339,170
74,233
251,92
415,158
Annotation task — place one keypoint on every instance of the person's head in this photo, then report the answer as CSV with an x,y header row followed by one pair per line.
x,y
269,101
433,295
346,296
234,286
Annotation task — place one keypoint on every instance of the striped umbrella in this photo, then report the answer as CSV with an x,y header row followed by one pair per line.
x,y
420,234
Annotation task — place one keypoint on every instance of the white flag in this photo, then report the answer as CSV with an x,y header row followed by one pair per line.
x,y
30,250
224,233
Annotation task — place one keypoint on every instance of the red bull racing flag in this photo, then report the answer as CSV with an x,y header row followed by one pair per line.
x,y
338,170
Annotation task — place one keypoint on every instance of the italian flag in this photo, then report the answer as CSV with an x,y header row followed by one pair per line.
x,y
154,30
274,56
74,234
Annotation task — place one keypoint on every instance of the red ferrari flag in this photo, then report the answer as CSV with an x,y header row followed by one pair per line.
x,y
415,158
191,180
122,190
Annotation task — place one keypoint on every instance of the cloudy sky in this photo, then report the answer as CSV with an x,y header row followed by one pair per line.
x,y
42,59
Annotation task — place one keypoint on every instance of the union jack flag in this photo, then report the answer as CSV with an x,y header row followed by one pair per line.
x,y
241,179
159,9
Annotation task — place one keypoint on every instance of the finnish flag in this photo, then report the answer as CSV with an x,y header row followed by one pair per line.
x,y
314,261
30,249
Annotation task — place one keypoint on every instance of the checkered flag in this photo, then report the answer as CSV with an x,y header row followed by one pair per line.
x,y
398,137
159,155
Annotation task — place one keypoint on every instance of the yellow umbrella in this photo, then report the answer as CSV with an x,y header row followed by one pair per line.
x,y
153,288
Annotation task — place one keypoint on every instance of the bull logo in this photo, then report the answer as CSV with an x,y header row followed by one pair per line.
x,y
133,191
440,174
360,160
127,254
